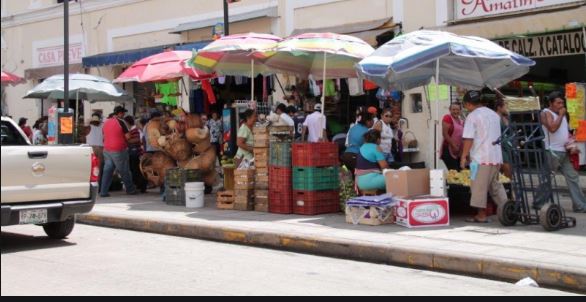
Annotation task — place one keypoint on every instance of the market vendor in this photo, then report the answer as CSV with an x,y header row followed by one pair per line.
x,y
356,140
453,129
245,140
371,162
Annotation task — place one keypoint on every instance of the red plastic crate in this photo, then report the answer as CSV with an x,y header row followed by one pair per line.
x,y
316,202
280,202
315,155
280,179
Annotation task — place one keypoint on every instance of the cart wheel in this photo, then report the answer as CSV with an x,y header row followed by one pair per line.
x,y
507,214
551,217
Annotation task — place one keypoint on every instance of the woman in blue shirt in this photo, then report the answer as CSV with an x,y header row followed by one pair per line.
x,y
370,163
356,140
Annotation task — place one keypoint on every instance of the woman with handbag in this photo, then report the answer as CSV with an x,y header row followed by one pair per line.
x,y
453,130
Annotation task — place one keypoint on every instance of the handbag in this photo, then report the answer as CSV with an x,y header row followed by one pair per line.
x,y
410,140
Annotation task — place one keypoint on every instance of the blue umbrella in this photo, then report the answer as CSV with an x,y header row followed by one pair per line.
x,y
417,58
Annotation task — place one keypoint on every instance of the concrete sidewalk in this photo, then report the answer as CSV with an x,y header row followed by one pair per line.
x,y
491,251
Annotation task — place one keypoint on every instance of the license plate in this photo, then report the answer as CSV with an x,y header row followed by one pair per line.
x,y
33,217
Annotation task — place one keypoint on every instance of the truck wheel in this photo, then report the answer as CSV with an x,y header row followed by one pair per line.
x,y
551,217
59,230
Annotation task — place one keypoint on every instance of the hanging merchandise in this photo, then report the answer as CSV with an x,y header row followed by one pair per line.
x,y
313,87
168,92
368,85
197,101
383,94
209,91
355,87
329,88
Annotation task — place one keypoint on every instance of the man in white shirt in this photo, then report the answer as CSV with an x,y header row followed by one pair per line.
x,y
284,118
315,126
482,130
557,138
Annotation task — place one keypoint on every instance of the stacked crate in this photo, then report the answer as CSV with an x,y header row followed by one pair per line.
x,y
280,173
175,181
244,189
261,162
316,179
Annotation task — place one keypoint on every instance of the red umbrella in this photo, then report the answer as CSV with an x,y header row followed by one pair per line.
x,y
165,66
8,78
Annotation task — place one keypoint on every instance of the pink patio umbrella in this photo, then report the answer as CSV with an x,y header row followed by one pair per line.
x,y
166,66
11,79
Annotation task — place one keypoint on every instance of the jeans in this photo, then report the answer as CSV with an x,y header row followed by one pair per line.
x,y
389,158
560,161
120,162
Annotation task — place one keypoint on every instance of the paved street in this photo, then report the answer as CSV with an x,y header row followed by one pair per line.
x,y
101,261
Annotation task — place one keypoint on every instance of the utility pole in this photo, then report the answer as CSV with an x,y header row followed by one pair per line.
x,y
226,18
66,55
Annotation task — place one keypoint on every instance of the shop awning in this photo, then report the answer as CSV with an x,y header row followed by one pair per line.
x,y
45,72
271,12
131,56
367,31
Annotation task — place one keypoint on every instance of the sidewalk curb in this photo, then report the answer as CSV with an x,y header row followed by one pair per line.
x,y
459,263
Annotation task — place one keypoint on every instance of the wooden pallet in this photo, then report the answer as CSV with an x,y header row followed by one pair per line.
x,y
244,179
244,200
225,200
261,158
261,201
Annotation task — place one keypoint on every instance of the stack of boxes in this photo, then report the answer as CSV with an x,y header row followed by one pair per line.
x,y
244,189
261,162
175,181
316,182
280,172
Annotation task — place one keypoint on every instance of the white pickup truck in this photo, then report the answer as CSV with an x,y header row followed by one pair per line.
x,y
45,185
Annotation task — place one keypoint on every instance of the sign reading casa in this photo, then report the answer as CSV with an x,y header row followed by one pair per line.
x,y
554,45
466,9
48,53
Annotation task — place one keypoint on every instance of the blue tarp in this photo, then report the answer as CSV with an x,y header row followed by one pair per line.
x,y
132,56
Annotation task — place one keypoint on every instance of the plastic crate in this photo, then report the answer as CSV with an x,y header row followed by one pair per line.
x,y
315,155
316,179
315,203
280,179
175,196
280,202
280,154
283,134
178,177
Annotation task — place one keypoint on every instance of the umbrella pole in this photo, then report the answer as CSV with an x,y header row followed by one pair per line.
x,y
76,115
252,80
437,108
323,94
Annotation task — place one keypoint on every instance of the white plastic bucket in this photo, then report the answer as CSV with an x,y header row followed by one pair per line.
x,y
194,195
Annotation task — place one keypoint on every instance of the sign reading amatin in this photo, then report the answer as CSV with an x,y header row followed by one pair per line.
x,y
467,9
550,45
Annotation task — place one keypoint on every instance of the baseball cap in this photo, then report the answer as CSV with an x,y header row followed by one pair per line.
x,y
372,110
120,109
317,107
472,96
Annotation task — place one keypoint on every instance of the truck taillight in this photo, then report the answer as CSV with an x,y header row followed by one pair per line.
x,y
95,171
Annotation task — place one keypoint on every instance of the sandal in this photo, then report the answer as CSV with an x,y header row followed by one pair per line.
x,y
475,220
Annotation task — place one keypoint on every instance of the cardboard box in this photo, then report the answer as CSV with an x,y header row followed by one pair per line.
x,y
437,179
423,211
370,216
407,183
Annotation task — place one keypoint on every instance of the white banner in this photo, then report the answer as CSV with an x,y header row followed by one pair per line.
x,y
466,9
545,46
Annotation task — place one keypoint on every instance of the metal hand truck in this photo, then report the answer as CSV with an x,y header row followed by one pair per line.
x,y
535,199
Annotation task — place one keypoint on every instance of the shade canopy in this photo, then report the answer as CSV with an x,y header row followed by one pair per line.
x,y
82,86
11,79
414,59
305,55
236,55
162,67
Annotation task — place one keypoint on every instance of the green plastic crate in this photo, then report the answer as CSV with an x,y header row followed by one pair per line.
x,y
316,179
280,154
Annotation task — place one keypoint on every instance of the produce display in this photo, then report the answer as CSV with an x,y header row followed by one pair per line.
x,y
463,178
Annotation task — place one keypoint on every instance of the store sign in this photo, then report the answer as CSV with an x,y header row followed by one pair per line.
x,y
51,53
554,45
466,9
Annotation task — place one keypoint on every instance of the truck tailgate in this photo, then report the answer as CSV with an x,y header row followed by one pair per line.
x,y
45,173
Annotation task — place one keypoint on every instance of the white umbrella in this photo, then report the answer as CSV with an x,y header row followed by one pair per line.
x,y
417,58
